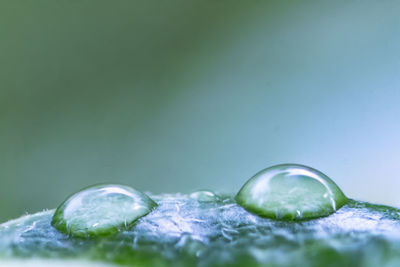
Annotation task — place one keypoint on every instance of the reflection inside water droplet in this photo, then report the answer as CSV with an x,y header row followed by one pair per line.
x,y
101,210
291,192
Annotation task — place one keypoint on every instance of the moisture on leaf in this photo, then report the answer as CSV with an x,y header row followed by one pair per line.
x,y
183,231
291,192
101,210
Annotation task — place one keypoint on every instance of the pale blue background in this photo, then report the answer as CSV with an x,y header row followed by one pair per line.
x,y
173,96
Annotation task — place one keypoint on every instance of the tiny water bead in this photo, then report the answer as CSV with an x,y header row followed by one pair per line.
x,y
101,210
204,196
291,192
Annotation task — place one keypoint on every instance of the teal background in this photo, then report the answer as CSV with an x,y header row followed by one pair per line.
x,y
174,96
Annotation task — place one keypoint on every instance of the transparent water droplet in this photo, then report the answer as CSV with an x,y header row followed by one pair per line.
x,y
191,245
204,196
101,210
291,192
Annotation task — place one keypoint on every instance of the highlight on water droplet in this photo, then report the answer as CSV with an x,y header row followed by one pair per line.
x,y
101,210
291,192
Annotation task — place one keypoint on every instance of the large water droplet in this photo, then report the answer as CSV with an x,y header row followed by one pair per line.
x,y
291,192
101,210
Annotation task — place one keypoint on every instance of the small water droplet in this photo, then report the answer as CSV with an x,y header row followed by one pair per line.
x,y
101,210
204,196
190,244
291,192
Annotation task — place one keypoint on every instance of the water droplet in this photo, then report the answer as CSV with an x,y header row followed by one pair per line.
x,y
204,196
101,210
291,192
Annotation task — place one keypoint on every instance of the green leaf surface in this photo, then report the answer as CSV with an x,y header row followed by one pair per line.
x,y
183,231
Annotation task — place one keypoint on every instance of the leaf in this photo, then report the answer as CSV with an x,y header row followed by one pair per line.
x,y
185,232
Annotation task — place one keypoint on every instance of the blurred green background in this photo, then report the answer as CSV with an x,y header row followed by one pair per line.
x,y
174,96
